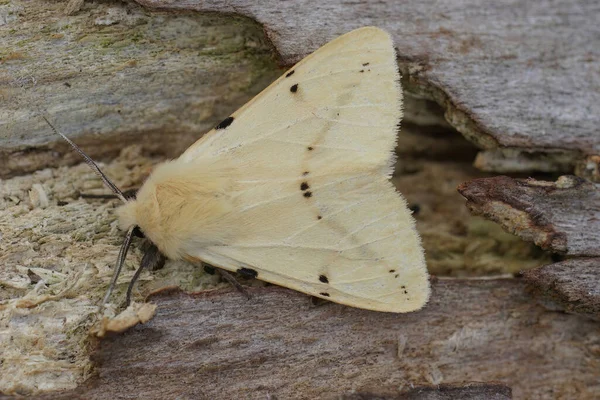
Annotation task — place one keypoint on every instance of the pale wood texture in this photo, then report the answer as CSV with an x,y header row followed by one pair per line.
x,y
218,345
561,216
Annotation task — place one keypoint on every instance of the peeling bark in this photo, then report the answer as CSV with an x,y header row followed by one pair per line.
x,y
521,75
561,216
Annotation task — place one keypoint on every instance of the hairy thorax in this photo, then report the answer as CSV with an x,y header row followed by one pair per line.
x,y
179,207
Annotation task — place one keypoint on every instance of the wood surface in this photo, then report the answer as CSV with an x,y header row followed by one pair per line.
x,y
509,73
220,345
135,83
561,216
572,285
515,74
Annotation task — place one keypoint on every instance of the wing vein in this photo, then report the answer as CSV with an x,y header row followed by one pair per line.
x,y
326,217
365,226
271,200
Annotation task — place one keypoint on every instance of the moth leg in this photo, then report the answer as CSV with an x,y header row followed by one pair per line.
x,y
318,302
229,278
153,259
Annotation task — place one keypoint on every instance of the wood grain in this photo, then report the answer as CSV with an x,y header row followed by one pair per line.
x,y
112,74
218,345
517,78
572,285
470,391
515,73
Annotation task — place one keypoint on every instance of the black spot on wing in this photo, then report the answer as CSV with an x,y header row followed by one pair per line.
x,y
319,217
225,123
304,186
365,64
362,70
392,271
247,272
323,278
294,88
324,294
289,73
307,194
310,148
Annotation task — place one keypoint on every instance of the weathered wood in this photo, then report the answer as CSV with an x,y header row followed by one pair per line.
x,y
562,216
572,285
110,74
516,74
509,73
218,345
472,391
469,391
113,74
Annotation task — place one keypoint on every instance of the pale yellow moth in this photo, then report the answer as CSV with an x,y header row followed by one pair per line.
x,y
294,187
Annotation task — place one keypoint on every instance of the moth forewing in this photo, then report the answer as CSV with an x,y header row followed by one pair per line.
x,y
294,185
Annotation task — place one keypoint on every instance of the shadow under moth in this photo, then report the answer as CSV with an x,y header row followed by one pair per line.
x,y
293,188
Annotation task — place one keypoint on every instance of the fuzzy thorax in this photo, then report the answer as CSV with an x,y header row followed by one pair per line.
x,y
179,207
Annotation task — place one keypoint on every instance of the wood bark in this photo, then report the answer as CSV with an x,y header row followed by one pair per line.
x,y
515,74
512,74
572,285
517,78
561,216
111,74
472,391
219,345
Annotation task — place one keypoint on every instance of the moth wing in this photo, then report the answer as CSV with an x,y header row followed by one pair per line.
x,y
352,242
310,156
343,101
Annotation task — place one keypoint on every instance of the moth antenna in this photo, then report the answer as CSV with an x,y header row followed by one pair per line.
x,y
91,163
129,194
120,261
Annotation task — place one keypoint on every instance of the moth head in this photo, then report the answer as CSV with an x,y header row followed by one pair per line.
x,y
127,214
141,213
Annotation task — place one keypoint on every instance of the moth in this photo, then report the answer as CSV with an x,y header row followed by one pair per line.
x,y
293,188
